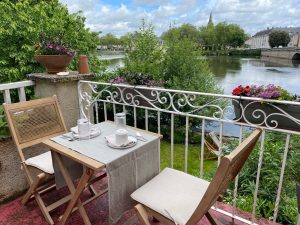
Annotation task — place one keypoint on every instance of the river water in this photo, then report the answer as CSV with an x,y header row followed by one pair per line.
x,y
233,71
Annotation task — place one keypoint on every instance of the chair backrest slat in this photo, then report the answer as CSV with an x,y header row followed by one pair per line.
x,y
229,167
34,121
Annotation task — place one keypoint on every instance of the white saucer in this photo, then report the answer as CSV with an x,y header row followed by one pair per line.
x,y
132,142
94,133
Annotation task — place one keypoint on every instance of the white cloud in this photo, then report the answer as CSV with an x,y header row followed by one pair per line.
x,y
252,15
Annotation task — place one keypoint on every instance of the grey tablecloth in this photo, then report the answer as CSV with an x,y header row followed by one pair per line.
x,y
127,169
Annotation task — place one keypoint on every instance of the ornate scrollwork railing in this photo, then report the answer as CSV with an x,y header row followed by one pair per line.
x,y
270,114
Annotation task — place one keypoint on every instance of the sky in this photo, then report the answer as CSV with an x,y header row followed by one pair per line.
x,y
120,17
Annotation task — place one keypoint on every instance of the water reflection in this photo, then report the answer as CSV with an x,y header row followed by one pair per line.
x,y
233,71
270,61
221,65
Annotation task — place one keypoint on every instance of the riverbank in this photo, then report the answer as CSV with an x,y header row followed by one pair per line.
x,y
108,52
234,52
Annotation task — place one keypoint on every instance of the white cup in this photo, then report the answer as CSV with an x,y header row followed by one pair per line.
x,y
84,127
121,137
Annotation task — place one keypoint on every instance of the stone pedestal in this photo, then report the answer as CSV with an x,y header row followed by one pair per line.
x,y
65,88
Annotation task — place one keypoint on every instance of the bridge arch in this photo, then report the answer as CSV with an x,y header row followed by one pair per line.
x,y
296,56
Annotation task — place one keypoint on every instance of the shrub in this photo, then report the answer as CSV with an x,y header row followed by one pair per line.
x,y
4,132
21,22
269,179
144,56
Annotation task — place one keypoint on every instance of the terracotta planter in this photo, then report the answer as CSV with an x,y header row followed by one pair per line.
x,y
83,65
54,63
253,114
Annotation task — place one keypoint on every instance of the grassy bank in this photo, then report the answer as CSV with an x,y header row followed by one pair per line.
x,y
193,159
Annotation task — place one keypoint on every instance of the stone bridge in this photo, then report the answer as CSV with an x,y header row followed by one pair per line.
x,y
283,53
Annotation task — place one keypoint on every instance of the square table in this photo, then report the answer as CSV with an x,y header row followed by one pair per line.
x,y
96,155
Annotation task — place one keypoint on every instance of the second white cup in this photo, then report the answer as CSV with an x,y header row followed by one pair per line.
x,y
121,137
84,127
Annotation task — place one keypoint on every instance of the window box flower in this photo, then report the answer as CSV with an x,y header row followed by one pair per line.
x,y
272,115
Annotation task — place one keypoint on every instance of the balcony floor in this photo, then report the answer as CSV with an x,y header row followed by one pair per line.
x,y
15,213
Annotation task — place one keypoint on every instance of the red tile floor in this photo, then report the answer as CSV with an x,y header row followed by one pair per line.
x,y
15,213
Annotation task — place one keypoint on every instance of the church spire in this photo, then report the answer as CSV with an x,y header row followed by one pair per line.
x,y
210,22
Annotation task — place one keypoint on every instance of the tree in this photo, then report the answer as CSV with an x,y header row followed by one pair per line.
x,y
22,22
109,39
145,54
237,35
184,70
223,35
184,31
208,35
279,38
125,39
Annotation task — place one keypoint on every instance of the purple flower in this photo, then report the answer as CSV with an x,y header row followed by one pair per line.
x,y
269,91
118,80
55,46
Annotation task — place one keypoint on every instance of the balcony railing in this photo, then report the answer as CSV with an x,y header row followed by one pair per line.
x,y
19,86
238,115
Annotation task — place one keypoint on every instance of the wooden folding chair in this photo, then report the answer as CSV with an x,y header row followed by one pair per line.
x,y
31,123
174,197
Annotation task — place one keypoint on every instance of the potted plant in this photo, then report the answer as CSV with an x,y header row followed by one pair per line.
x,y
141,97
53,54
273,115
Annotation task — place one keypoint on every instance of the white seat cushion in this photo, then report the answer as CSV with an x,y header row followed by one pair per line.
x,y
42,162
173,194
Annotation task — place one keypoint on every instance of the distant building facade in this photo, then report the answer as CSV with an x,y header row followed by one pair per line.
x,y
261,38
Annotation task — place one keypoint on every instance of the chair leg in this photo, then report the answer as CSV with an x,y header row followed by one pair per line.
x,y
43,208
33,186
212,219
142,214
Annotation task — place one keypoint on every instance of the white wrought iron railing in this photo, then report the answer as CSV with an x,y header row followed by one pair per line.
x,y
270,115
19,86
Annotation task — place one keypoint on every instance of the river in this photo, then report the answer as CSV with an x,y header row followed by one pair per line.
x,y
233,71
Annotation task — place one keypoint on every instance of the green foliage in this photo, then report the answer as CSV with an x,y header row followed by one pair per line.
x,y
245,52
185,31
4,132
144,56
109,39
184,70
279,38
223,35
20,26
269,179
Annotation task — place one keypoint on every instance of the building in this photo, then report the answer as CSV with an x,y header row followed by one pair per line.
x,y
261,38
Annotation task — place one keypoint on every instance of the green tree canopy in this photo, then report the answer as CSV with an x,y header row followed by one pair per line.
x,y
109,39
145,54
279,38
188,31
223,34
184,70
21,23
208,35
